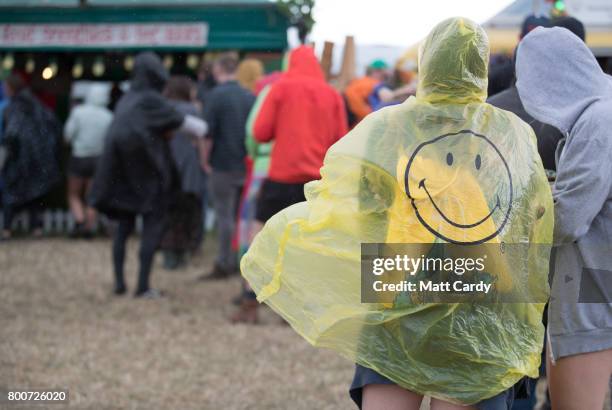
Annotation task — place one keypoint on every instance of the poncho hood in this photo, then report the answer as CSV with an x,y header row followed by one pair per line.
x,y
558,77
149,72
453,62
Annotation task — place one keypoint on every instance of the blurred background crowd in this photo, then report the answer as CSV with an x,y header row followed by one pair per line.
x,y
267,113
75,74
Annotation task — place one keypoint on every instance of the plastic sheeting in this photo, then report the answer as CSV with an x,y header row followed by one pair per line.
x,y
444,167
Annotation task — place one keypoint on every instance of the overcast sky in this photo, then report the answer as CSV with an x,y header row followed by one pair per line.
x,y
393,22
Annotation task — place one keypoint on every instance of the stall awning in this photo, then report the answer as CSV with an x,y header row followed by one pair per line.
x,y
103,25
505,40
596,15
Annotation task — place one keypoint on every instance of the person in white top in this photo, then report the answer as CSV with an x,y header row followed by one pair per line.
x,y
85,131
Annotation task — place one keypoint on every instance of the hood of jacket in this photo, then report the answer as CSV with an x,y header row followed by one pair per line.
x,y
453,63
302,62
97,95
558,77
149,72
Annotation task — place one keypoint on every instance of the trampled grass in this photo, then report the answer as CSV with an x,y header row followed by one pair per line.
x,y
61,328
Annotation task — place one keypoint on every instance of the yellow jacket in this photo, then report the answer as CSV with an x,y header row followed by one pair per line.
x,y
444,168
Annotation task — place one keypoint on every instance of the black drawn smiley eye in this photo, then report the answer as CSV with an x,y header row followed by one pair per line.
x,y
449,159
478,161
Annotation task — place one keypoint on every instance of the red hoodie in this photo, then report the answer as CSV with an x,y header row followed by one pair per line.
x,y
303,115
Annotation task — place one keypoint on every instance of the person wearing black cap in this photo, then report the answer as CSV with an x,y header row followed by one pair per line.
x,y
547,136
572,24
501,75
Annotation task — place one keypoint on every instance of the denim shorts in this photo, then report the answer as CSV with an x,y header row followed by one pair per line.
x,y
364,376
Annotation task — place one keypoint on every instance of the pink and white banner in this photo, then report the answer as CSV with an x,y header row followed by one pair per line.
x,y
114,35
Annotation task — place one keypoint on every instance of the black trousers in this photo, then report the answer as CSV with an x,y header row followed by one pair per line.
x,y
153,226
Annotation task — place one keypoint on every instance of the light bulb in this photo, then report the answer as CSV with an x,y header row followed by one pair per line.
x,y
168,61
128,63
77,69
47,73
98,68
30,65
8,62
192,61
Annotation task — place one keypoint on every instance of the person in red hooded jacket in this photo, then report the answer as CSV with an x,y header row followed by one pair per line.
x,y
303,116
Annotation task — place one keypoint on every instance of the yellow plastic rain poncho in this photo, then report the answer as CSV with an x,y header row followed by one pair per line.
x,y
444,167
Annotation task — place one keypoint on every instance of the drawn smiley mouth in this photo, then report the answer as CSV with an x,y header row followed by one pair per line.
x,y
466,236
447,219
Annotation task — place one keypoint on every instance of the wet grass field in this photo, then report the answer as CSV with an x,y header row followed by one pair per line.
x,y
61,328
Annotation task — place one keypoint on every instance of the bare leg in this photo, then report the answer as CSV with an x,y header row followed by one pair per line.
x,y
76,187
90,218
90,213
8,221
389,397
580,381
256,226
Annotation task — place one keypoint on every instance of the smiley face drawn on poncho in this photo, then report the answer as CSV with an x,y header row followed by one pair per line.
x,y
443,180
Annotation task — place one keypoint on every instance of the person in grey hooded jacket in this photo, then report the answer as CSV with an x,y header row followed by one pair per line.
x,y
575,97
85,130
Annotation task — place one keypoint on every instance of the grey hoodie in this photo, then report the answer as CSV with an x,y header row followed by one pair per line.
x,y
87,124
560,83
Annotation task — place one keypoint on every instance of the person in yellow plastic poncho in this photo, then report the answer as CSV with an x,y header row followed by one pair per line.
x,y
441,169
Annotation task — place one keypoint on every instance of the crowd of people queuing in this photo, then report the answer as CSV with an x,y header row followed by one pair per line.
x,y
248,142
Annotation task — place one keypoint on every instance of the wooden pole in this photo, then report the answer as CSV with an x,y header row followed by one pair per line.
x,y
326,59
347,71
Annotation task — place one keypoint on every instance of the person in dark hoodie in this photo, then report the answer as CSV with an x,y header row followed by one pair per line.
x,y
135,175
184,233
31,138
577,100
547,136
303,116
501,73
